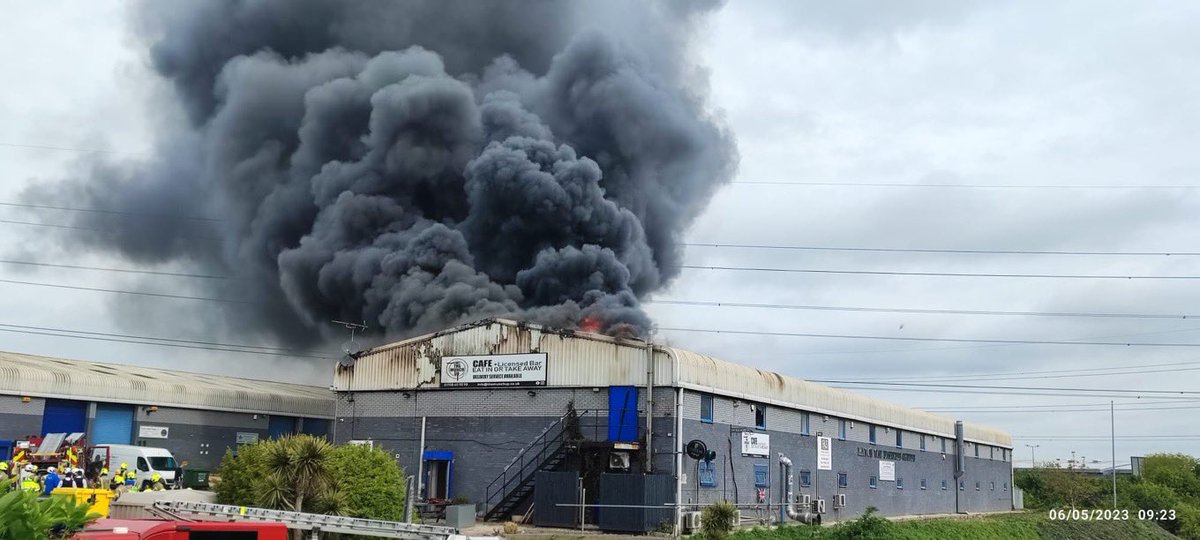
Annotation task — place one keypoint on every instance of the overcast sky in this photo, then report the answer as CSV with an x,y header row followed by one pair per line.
x,y
1020,93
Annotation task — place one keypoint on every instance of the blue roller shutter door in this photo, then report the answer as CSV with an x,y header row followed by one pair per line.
x,y
64,416
279,426
113,424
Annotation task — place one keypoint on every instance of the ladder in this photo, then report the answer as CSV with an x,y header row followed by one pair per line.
x,y
314,523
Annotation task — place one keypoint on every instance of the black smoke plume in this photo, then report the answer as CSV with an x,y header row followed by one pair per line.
x,y
419,164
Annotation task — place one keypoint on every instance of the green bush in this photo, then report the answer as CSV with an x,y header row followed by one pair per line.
x,y
868,526
23,516
239,475
717,520
371,481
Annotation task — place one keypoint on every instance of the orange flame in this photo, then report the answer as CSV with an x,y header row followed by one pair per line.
x,y
589,324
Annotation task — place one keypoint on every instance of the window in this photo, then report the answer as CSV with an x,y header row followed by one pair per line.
x,y
924,485
874,482
977,450
1006,486
993,487
962,486
706,408
922,442
142,465
805,423
842,430
843,480
760,416
871,433
899,438
805,478
943,446
991,452
943,485
760,476
707,472
977,486
899,482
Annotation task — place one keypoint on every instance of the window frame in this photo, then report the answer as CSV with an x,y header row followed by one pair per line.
x,y
873,482
899,482
760,416
805,478
943,439
843,479
766,475
842,430
924,484
707,399
871,434
805,423
922,435
899,438
706,473
944,488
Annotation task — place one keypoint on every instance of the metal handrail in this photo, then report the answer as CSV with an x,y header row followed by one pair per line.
x,y
535,455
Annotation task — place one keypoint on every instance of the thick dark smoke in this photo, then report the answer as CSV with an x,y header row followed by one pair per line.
x,y
420,164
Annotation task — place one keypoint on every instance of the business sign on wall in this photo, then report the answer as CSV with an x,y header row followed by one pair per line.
x,y
887,471
494,370
824,454
152,432
247,437
756,444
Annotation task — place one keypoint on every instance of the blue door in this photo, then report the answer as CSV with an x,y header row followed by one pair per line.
x,y
64,416
318,427
113,424
279,426
622,413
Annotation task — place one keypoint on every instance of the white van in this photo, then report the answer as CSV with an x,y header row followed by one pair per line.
x,y
145,460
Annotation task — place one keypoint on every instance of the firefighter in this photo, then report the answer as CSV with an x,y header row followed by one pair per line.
x,y
80,481
103,479
51,481
118,480
29,479
4,474
154,484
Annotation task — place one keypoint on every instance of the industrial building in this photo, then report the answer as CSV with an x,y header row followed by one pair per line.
x,y
195,416
506,413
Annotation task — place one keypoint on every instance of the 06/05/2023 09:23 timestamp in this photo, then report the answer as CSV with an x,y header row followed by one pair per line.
x,y
1109,514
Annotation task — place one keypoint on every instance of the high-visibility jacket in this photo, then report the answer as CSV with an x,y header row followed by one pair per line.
x,y
30,484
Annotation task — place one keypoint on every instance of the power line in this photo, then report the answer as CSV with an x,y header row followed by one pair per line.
x,y
961,186
1040,372
949,340
1040,388
926,274
162,342
118,291
1052,405
994,392
947,251
120,270
69,149
1027,411
861,309
110,212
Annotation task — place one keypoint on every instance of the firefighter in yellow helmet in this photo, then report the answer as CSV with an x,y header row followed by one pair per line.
x,y
155,483
4,474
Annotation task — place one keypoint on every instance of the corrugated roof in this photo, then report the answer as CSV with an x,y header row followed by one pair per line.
x,y
583,359
40,376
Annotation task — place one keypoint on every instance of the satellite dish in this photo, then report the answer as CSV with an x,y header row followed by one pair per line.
x,y
347,360
351,348
696,449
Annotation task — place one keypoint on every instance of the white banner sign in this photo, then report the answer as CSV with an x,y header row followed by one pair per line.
x,y
247,437
887,471
824,454
494,370
756,444
152,432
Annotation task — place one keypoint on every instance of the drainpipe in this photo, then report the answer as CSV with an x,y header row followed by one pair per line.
x,y
649,467
959,464
787,503
678,444
421,459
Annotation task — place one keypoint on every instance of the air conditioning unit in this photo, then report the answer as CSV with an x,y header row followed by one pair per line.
x,y
840,501
806,500
691,521
618,461
820,506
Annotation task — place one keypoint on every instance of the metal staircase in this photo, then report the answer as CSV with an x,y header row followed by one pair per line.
x,y
547,452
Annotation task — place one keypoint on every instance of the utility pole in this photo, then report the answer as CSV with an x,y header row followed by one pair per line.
x,y
1033,455
1112,417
